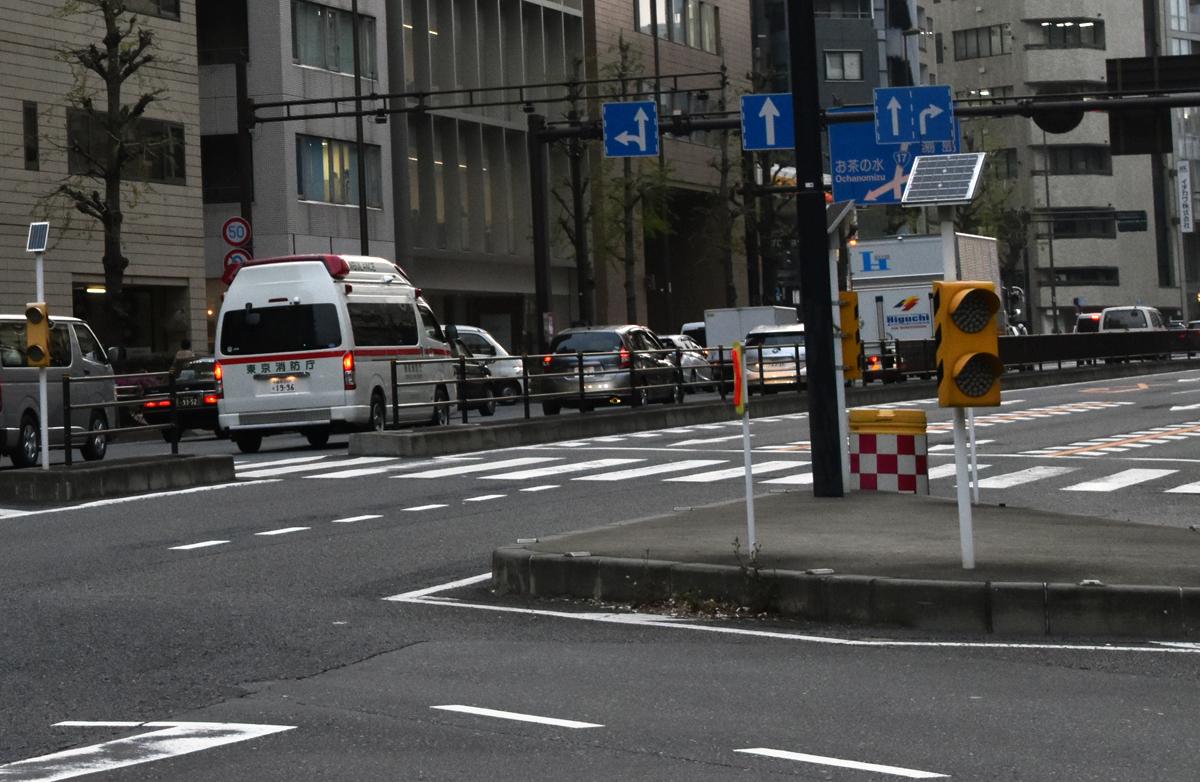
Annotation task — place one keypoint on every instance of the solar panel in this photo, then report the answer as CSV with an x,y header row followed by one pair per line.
x,y
943,179
39,233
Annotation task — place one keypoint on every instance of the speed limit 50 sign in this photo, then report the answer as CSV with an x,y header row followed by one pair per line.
x,y
236,231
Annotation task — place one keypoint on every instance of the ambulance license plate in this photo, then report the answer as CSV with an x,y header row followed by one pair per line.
x,y
282,388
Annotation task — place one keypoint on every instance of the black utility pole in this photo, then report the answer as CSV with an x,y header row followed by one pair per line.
x,y
585,283
813,254
360,151
750,223
665,252
245,118
541,227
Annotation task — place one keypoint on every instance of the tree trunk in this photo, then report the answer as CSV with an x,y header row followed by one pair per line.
x,y
114,257
726,223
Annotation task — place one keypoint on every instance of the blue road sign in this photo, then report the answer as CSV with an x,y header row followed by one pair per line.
x,y
630,129
767,122
873,174
911,115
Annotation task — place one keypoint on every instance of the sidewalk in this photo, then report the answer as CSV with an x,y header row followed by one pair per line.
x,y
885,559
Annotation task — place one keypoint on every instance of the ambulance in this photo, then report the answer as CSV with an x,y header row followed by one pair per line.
x,y
305,344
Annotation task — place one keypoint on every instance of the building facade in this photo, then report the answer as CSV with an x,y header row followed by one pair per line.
x,y
46,139
1071,183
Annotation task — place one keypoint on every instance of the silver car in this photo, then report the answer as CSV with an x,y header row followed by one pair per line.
x,y
74,351
505,368
696,369
773,355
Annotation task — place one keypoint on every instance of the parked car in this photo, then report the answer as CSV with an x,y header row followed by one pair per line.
x,y
1134,318
1193,324
693,360
477,392
506,369
773,354
195,398
620,365
74,351
1087,323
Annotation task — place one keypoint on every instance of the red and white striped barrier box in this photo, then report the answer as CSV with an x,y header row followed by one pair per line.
x,y
889,451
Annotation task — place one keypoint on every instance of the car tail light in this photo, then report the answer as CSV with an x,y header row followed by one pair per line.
x,y
623,356
154,404
348,380
210,399
219,376
546,361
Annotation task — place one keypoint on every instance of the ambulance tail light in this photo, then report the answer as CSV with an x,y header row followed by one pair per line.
x,y
219,376
348,379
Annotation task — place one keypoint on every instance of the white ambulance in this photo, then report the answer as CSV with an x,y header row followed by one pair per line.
x,y
305,343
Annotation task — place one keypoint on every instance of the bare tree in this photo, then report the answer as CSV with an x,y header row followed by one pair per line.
x,y
103,137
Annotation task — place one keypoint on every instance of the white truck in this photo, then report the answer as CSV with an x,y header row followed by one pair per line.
x,y
723,327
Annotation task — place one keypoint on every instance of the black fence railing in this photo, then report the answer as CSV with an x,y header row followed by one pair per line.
x,y
103,398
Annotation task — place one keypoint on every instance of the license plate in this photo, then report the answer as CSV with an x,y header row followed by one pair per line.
x,y
282,388
189,401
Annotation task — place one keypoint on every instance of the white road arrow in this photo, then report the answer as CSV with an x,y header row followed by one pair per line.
x,y
769,112
174,738
641,118
928,112
1177,408
894,107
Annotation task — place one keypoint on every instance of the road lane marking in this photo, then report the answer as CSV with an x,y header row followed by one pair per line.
x,y
950,446
558,469
736,472
201,544
653,469
485,497
282,531
1120,480
174,739
512,715
292,469
1187,488
1008,480
258,464
803,479
949,471
416,508
136,497
352,519
428,597
907,773
707,440
469,469
535,489
1134,440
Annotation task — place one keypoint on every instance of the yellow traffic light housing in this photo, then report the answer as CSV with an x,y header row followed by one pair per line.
x,y
37,334
852,345
967,337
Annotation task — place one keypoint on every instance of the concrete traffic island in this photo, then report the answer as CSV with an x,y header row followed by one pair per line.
x,y
112,478
881,559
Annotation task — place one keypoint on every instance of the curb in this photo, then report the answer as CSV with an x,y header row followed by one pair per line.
x,y
545,429
118,478
970,607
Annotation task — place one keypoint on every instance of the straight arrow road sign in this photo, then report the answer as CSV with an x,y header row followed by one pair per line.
x,y
767,122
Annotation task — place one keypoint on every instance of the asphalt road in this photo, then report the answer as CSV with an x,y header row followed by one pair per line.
x,y
264,603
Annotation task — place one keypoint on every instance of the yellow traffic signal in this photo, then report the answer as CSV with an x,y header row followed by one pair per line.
x,y
966,335
37,334
852,346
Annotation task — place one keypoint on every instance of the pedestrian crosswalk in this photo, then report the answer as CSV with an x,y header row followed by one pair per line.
x,y
497,468
1121,443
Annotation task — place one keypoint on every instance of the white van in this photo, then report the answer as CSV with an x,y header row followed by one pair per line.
x,y
305,343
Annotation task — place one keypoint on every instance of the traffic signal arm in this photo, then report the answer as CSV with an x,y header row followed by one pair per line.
x,y
966,334
37,334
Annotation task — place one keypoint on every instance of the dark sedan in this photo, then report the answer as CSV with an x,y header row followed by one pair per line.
x,y
195,400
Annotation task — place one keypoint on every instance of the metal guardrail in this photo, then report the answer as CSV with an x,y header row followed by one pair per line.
x,y
71,436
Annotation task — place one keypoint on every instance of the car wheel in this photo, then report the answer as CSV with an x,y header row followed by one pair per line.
x,y
510,393
551,408
27,451
441,408
378,419
487,407
317,438
248,442
96,445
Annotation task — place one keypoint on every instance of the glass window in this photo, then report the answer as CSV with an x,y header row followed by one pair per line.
x,y
327,170
60,346
383,323
220,169
708,27
323,37
786,339
678,20
12,343
843,66
29,114
168,9
477,344
693,23
982,42
1124,319
252,332
156,148
586,342
89,346
432,327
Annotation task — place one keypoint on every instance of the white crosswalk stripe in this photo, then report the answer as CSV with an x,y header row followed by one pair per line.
x,y
468,469
651,469
948,470
1120,480
1187,488
800,479
252,464
759,468
292,469
1008,480
558,469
